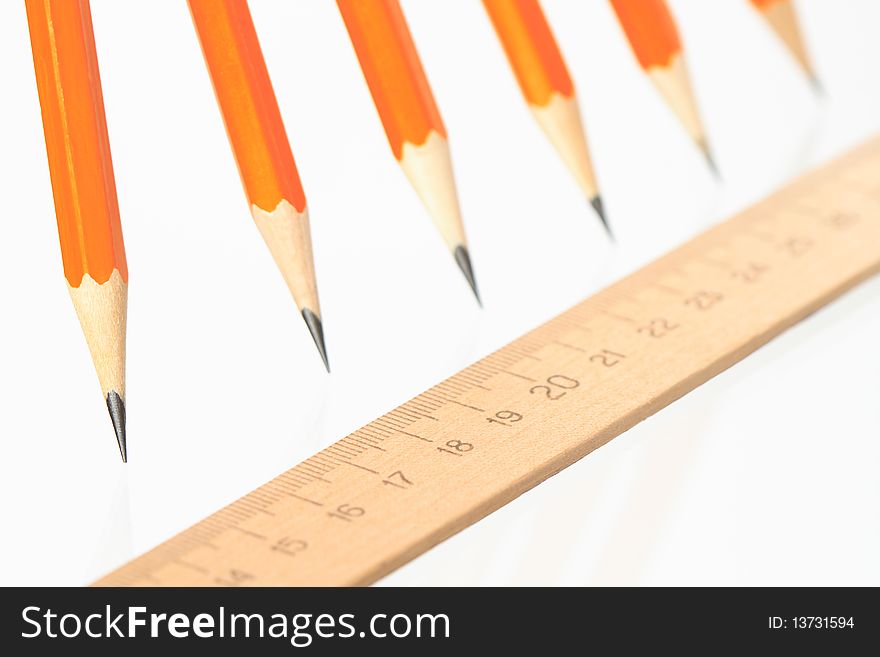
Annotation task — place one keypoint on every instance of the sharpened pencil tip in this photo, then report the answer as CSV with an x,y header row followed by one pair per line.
x,y
710,161
116,408
816,83
463,258
596,202
316,328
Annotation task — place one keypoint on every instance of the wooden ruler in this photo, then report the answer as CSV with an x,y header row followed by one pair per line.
x,y
413,477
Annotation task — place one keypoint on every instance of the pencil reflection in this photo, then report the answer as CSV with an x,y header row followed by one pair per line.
x,y
113,542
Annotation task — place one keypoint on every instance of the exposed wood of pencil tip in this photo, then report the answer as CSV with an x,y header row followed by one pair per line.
x,y
673,83
561,122
428,167
782,17
102,311
287,234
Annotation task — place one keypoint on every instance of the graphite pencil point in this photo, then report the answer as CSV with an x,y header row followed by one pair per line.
x,y
596,202
463,258
316,328
116,408
818,88
710,161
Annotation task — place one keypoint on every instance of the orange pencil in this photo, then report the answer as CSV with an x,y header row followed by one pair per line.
x,y
653,36
262,151
406,106
544,81
81,170
781,16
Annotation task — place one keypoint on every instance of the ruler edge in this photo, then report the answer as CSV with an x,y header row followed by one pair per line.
x,y
567,458
602,438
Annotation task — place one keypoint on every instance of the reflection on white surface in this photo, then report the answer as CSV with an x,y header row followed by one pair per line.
x,y
113,542
767,474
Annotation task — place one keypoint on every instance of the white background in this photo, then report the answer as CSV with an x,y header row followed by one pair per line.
x,y
766,475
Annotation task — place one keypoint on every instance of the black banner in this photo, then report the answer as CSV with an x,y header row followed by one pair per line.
x,y
433,621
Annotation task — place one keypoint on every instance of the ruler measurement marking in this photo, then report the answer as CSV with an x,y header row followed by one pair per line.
x,y
413,435
298,476
579,327
474,384
570,346
473,408
370,445
128,579
380,430
266,512
286,484
525,354
311,466
571,322
401,413
341,450
470,377
519,376
506,359
233,514
315,464
205,542
372,434
484,369
289,491
361,467
412,416
248,532
419,415
266,496
453,384
206,526
382,423
238,510
306,499
254,504
395,424
421,405
345,447
223,518
422,408
187,542
440,399
622,318
367,434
